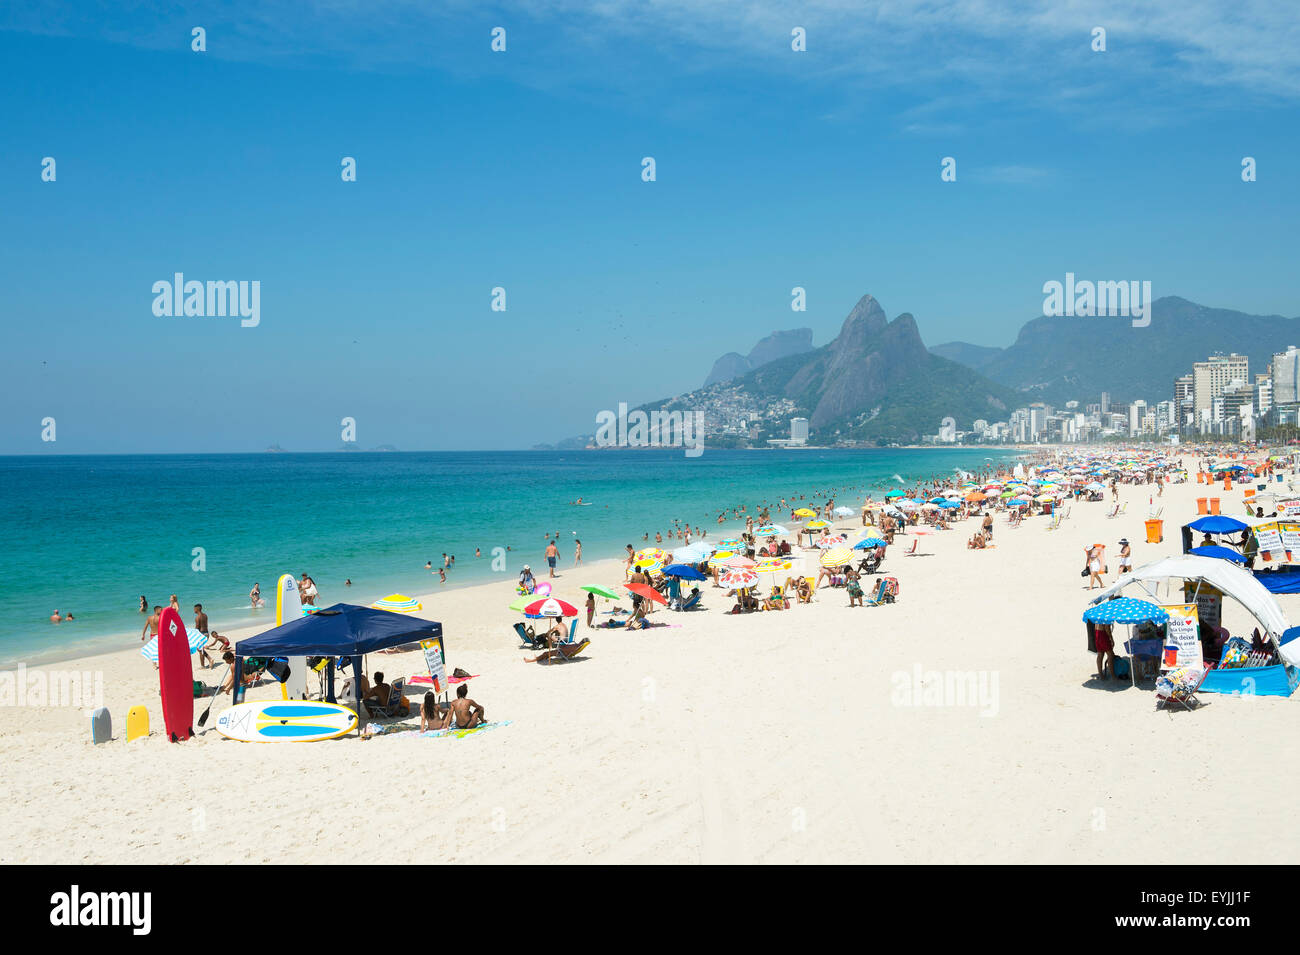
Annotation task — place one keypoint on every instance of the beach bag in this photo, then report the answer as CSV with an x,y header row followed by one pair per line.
x,y
1121,667
199,688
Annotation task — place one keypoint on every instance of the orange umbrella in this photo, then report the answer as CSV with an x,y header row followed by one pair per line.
x,y
975,496
645,590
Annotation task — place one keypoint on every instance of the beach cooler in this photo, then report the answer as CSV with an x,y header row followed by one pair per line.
x,y
1201,507
1155,531
1214,505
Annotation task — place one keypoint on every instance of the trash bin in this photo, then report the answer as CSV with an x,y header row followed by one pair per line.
x,y
1201,507
1155,531
1214,505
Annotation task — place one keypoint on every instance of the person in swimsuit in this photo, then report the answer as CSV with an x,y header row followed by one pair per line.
x,y
201,625
464,713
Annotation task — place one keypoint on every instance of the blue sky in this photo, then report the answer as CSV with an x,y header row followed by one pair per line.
x,y
522,170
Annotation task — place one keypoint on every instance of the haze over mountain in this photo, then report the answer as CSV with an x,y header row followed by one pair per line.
x,y
795,341
1057,359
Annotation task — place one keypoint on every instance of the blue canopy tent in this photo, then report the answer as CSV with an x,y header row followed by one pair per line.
x,y
343,630
1214,550
1211,524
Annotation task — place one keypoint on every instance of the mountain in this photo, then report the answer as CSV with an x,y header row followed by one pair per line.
x,y
795,341
876,381
964,353
1056,359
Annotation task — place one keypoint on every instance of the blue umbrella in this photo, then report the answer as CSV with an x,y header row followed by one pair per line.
x,y
1214,550
196,640
867,543
949,505
1125,610
684,572
1217,524
1017,501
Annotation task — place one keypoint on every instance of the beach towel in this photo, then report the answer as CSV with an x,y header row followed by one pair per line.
x,y
426,680
461,734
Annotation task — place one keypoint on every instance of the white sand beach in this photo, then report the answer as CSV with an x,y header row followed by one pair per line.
x,y
767,737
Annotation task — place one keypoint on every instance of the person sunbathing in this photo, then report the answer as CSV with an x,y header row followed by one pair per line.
x,y
464,713
637,620
565,651
432,713
555,632
804,590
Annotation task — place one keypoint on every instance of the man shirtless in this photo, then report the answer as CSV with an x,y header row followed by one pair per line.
x,y
463,713
151,625
201,625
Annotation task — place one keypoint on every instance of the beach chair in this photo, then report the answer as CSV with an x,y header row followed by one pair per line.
x,y
527,636
1180,691
912,552
1113,512
885,592
1144,655
394,707
692,602
812,588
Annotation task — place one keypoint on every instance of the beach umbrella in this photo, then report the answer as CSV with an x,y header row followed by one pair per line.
x,y
738,578
837,557
870,543
827,542
809,512
693,553
1017,502
196,640
600,591
1217,524
650,553
737,560
843,512
1125,610
817,525
648,563
771,565
929,507
683,572
731,543
1213,550
975,496
648,592
551,607
895,493
771,530
398,603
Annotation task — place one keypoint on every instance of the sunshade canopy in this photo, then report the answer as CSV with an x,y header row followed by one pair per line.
x,y
340,630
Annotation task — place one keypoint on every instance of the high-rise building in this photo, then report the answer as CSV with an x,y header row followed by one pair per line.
x,y
798,430
1285,374
1210,377
1105,402
1136,411
1264,391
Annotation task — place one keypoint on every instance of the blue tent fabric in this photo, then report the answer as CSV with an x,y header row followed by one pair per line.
x,y
1217,524
1277,680
1125,610
339,631
1280,581
1214,550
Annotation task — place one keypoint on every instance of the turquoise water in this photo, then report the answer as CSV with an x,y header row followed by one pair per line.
x,y
90,535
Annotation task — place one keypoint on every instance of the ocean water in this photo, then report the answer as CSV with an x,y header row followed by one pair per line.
x,y
90,535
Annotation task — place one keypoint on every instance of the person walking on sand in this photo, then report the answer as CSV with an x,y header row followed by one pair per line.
x,y
1125,556
201,625
591,608
552,555
1095,555
577,552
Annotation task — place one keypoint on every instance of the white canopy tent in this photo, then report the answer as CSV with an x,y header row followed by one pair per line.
x,y
1231,580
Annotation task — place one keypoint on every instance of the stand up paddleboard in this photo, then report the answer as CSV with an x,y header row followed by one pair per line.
x,y
175,676
274,721
288,606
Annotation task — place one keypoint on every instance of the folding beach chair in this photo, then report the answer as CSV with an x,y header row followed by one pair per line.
x,y
885,592
1113,512
1144,655
1180,686
527,636
692,602
393,707
812,588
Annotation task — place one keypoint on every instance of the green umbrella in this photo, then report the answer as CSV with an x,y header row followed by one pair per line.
x,y
602,592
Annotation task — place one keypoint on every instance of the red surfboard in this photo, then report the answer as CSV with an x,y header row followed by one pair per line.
x,y
175,676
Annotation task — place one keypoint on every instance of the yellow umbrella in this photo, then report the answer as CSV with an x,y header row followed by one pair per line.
x,y
648,563
805,512
398,603
654,553
720,558
817,525
837,557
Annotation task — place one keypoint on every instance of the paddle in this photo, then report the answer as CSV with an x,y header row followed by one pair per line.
x,y
204,718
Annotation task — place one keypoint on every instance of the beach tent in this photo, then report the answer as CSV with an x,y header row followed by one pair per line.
x,y
1239,584
1214,550
343,630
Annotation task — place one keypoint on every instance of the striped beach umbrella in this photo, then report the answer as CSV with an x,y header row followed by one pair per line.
x,y
737,560
771,565
196,640
771,530
398,603
837,557
649,564
650,553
